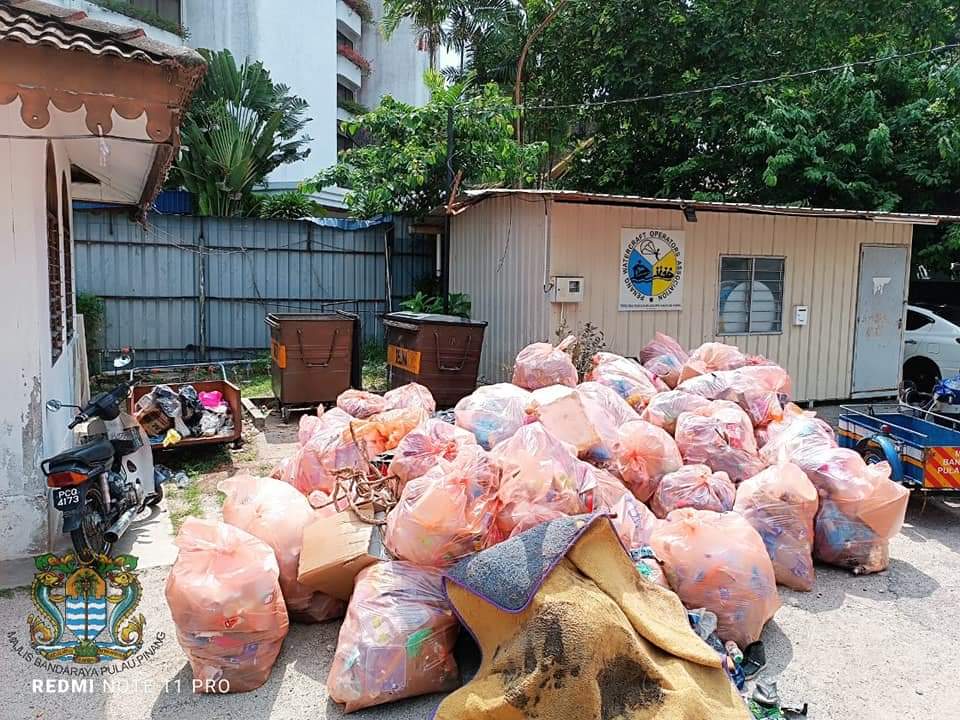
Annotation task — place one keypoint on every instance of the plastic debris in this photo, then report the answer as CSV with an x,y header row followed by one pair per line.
x,y
226,603
693,486
495,412
396,640
541,364
424,446
721,436
718,561
664,408
606,412
643,454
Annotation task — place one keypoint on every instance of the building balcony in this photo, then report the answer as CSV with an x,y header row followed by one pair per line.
x,y
349,18
349,73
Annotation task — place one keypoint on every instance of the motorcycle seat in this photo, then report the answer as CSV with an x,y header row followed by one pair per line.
x,y
92,455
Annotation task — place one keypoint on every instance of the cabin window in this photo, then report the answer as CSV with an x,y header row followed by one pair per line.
x,y
54,261
751,295
66,221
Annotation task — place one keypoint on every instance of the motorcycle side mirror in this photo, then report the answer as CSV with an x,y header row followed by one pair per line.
x,y
53,405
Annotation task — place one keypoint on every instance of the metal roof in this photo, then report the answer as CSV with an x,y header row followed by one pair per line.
x,y
470,198
33,22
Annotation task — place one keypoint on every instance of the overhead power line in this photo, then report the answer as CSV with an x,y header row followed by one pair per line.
x,y
744,83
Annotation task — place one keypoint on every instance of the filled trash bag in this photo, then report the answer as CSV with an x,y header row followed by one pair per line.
x,y
384,431
276,513
360,403
396,640
424,446
226,603
721,436
495,412
795,429
718,561
710,357
632,520
447,513
664,408
313,466
631,381
410,396
695,486
563,412
541,479
780,503
664,357
643,454
606,412
541,364
755,388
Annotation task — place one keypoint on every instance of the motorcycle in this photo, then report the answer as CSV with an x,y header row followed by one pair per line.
x,y
103,483
943,401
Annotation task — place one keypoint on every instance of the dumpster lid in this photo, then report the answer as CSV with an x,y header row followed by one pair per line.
x,y
327,316
432,319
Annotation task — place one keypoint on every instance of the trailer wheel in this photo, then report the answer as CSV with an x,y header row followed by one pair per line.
x,y
873,456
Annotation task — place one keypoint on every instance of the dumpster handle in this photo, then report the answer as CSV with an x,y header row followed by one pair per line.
x,y
452,368
333,343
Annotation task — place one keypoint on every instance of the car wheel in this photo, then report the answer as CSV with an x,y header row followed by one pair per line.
x,y
922,372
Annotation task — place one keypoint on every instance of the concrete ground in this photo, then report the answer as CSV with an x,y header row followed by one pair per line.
x,y
878,647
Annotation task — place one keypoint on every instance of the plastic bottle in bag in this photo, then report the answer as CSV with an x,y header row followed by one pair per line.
x,y
631,381
226,603
718,561
755,388
643,454
664,357
664,408
447,513
360,403
606,412
541,364
632,520
424,446
495,412
695,486
795,429
781,503
276,513
396,640
721,436
411,395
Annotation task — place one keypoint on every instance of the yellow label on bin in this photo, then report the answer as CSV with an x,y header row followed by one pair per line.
x,y
404,359
279,354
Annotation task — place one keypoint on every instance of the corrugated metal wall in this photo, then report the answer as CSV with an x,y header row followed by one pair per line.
x,y
821,271
186,282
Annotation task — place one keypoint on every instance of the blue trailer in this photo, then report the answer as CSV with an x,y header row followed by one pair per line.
x,y
922,447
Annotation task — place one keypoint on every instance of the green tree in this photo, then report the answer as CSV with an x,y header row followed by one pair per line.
x,y
240,127
402,168
428,16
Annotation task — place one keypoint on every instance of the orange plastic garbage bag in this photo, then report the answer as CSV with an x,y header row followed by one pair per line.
x,y
721,436
797,428
541,364
695,486
643,454
411,395
781,503
606,412
384,431
664,357
563,412
313,465
226,603
664,409
541,479
447,513
424,446
718,561
360,403
396,640
495,412
276,513
755,388
712,356
630,380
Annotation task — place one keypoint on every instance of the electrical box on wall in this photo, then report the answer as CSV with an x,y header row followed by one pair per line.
x,y
567,289
799,315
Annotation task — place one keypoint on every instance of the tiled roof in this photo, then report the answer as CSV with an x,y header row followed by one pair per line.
x,y
33,22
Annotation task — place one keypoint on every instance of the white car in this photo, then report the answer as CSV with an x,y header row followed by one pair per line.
x,y
931,344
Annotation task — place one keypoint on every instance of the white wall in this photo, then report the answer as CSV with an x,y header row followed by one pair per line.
x,y
398,66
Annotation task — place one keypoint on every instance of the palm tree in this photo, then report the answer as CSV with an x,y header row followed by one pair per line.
x,y
428,16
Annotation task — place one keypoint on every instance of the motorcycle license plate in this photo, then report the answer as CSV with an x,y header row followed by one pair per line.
x,y
65,499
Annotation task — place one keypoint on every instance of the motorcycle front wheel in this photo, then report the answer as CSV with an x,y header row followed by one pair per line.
x,y
89,539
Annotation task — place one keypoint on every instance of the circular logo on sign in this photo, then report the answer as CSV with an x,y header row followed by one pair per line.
x,y
652,265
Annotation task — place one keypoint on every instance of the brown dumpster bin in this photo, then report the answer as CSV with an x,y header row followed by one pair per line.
x,y
314,357
441,352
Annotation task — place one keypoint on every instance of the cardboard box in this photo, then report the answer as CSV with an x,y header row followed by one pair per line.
x,y
336,548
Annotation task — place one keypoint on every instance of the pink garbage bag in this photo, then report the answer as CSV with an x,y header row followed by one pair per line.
x,y
276,513
693,486
721,436
384,431
563,412
447,513
781,503
755,388
664,408
410,396
664,357
360,403
226,603
606,412
424,446
718,561
541,479
643,454
313,465
712,356
397,639
632,520
797,428
541,364
495,412
631,381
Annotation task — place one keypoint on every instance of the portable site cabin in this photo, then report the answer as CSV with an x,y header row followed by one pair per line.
x,y
821,292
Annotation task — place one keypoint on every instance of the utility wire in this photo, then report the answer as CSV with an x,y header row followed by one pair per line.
x,y
743,83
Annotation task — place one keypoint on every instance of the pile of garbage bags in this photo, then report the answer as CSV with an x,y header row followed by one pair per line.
x,y
718,487
169,415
